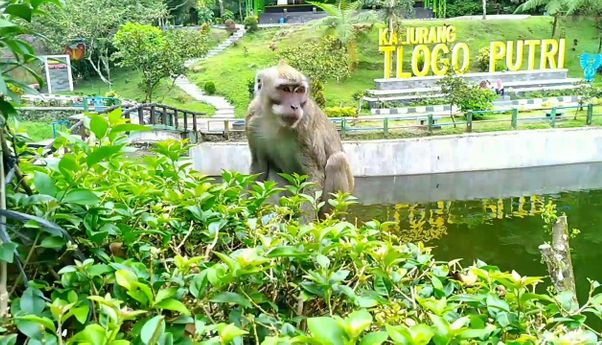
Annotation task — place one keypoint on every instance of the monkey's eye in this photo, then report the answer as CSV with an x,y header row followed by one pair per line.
x,y
300,90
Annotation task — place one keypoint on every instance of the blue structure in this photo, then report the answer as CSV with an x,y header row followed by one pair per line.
x,y
590,64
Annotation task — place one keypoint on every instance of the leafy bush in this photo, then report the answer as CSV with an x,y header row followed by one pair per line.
x,y
147,49
483,59
205,15
322,61
132,250
251,23
228,15
341,111
463,8
189,43
467,97
209,88
317,92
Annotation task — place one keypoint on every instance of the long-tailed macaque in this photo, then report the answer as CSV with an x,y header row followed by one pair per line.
x,y
288,133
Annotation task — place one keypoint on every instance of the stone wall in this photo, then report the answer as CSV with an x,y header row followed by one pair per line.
x,y
506,77
433,155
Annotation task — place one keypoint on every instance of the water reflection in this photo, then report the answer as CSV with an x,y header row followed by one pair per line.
x,y
502,230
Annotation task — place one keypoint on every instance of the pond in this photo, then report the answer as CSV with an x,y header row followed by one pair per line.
x,y
494,216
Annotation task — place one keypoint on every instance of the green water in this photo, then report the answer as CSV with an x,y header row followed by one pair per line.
x,y
505,232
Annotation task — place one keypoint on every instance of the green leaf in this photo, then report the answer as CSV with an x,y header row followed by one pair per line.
x,y
286,251
231,297
53,242
442,330
130,127
68,164
327,330
44,321
32,301
102,153
399,334
374,338
19,10
152,330
173,304
44,184
99,126
126,279
10,339
496,305
229,332
472,333
165,294
323,261
81,197
7,252
91,335
357,322
81,313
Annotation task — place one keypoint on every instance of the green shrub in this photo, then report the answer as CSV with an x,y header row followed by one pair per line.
x,y
317,92
251,23
341,111
141,251
463,8
189,43
483,59
205,15
477,100
324,60
209,88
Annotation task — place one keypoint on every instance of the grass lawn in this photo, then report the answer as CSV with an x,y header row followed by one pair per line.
x,y
125,84
253,52
36,130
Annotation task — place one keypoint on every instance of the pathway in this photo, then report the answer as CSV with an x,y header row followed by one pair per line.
x,y
223,108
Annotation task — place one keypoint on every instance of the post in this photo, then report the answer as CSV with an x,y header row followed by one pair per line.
x,y
553,117
227,129
343,126
590,114
164,116
469,121
194,122
186,121
85,100
140,116
557,257
153,117
430,122
386,126
514,122
175,117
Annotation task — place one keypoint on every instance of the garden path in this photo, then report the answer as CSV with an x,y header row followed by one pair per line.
x,y
223,108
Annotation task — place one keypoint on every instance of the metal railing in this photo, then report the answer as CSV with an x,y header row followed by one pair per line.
x,y
386,124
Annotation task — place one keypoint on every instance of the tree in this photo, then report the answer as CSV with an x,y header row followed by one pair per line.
x,y
341,21
555,8
592,8
465,96
393,11
484,9
95,21
147,49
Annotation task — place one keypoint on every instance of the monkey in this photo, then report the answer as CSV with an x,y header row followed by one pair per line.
x,y
287,132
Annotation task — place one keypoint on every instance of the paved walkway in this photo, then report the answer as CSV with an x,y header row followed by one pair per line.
x,y
224,110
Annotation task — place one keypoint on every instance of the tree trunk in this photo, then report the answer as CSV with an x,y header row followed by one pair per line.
x,y
554,25
557,257
484,9
221,8
600,43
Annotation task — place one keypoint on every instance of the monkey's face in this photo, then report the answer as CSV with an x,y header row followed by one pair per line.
x,y
287,102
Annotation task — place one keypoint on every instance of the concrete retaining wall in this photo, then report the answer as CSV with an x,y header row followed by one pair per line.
x,y
432,155
506,77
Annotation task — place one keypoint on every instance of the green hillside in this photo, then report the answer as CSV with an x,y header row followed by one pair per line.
x,y
232,70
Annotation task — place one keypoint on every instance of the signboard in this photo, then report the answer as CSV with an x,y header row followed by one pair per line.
x,y
435,50
58,73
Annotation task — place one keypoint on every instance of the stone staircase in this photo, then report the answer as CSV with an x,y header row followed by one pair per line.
x,y
238,34
223,108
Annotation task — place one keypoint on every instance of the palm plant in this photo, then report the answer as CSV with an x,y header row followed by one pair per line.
x,y
393,11
555,8
340,22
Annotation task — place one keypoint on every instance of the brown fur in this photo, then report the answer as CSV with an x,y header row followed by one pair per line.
x,y
312,147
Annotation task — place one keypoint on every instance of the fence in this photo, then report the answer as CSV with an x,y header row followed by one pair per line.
x,y
385,124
